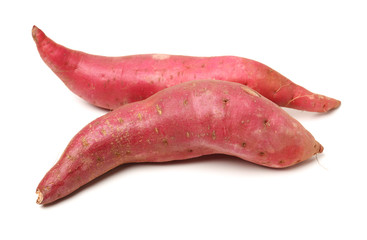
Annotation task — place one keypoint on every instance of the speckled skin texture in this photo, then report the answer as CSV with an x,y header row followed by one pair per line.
x,y
110,82
184,121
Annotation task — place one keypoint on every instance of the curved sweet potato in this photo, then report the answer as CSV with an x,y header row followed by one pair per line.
x,y
110,82
184,121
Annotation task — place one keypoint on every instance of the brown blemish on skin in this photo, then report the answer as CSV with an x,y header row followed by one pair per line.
x,y
225,101
165,141
261,153
213,135
187,134
139,116
103,131
107,122
156,130
185,102
85,142
243,144
159,110
117,153
281,162
190,150
266,123
120,120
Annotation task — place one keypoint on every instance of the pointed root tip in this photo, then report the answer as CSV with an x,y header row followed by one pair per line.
x,y
337,104
40,197
36,33
334,104
321,148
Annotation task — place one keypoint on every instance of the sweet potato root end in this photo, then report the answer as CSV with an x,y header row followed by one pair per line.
x,y
40,197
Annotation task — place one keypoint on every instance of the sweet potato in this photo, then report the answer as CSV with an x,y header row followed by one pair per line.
x,y
184,121
110,82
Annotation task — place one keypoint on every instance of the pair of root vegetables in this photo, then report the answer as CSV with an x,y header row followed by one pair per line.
x,y
164,109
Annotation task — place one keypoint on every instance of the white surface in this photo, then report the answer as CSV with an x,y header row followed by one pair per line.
x,y
320,45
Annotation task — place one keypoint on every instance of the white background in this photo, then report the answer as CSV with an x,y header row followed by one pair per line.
x,y
320,45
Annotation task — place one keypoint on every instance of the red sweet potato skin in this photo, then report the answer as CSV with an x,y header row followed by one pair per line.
x,y
184,121
110,82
